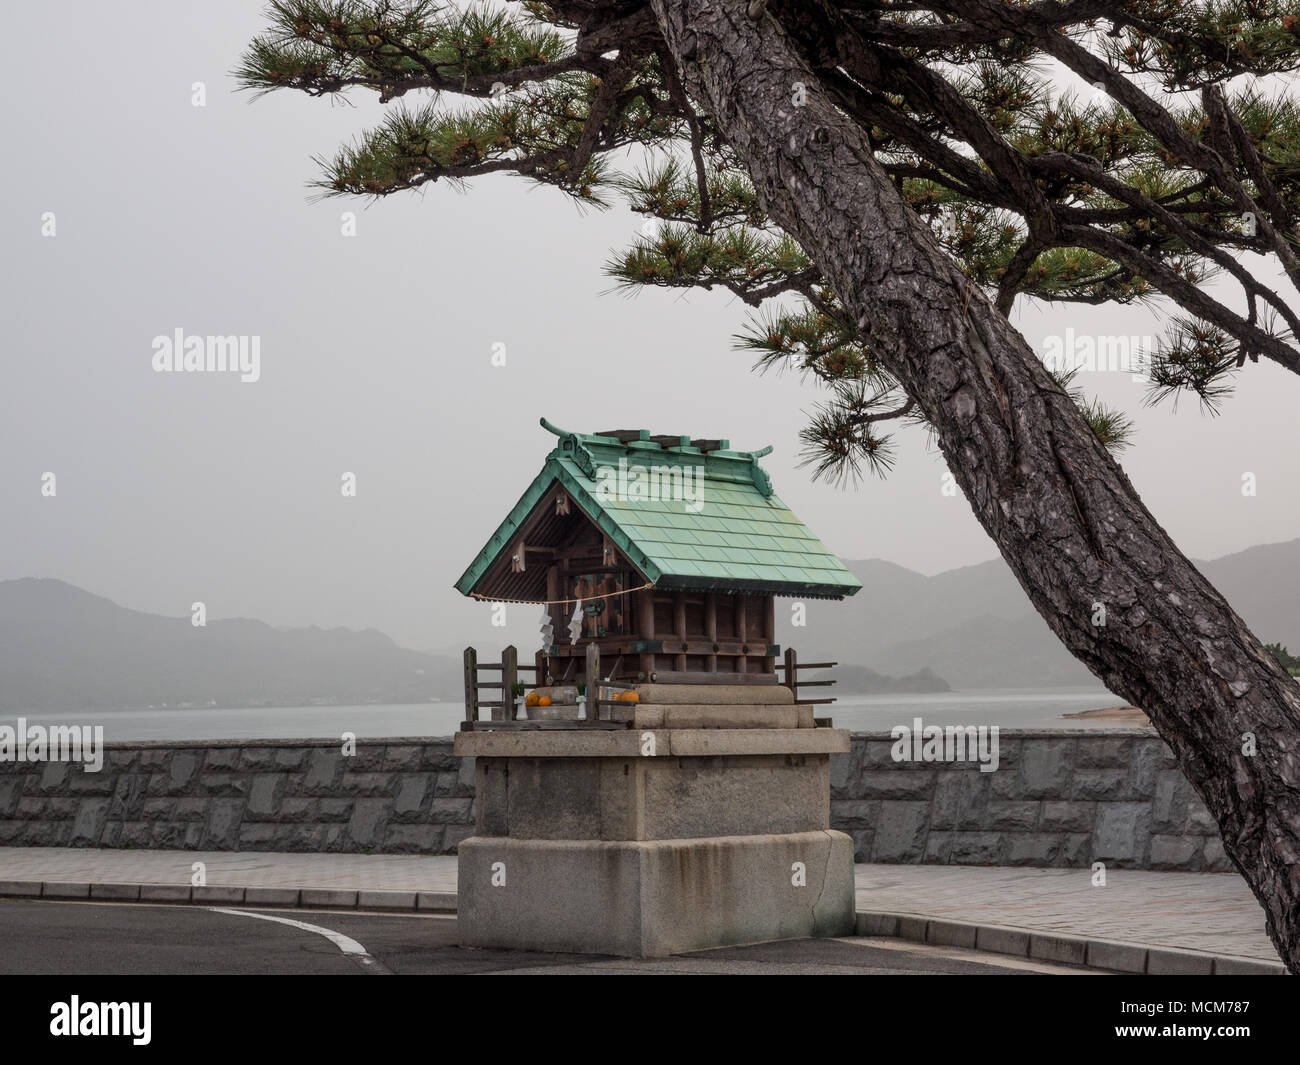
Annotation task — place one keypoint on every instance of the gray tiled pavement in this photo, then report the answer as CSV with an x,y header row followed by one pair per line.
x,y
1212,912
359,872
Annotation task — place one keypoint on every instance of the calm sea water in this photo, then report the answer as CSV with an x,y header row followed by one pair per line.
x,y
1005,707
1009,708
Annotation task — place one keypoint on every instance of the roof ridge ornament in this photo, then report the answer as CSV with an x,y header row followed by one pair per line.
x,y
572,446
761,480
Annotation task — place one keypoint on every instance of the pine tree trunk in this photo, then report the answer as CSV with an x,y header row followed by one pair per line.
x,y
1060,509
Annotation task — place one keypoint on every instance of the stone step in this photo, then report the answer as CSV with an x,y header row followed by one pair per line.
x,y
711,716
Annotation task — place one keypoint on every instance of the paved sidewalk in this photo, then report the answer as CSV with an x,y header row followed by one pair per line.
x,y
1213,912
1210,912
356,872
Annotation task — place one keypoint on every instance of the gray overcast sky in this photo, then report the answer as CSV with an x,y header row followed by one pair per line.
x,y
376,358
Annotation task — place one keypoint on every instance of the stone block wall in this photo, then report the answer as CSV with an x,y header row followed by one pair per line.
x,y
1058,798
396,796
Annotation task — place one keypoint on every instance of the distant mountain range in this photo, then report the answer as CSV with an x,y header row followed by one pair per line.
x,y
859,680
64,649
976,628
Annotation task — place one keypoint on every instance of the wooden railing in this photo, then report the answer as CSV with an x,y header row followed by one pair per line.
x,y
792,681
503,708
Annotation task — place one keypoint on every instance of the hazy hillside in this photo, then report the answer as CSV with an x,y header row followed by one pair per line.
x,y
858,680
976,628
62,648
1263,585
990,652
898,604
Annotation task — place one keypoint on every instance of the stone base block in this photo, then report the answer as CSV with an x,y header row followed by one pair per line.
x,y
653,898
708,715
715,694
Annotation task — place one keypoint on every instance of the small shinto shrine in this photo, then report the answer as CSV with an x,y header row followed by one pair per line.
x,y
654,786
664,553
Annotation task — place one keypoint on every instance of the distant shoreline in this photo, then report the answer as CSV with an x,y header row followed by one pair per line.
x,y
1124,715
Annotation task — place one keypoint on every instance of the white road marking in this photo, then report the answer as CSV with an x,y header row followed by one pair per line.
x,y
346,944
983,957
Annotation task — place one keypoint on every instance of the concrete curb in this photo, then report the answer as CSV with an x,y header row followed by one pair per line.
x,y
1115,956
1133,958
218,894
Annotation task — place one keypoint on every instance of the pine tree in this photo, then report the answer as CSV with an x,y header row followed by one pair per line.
x,y
879,181
1285,658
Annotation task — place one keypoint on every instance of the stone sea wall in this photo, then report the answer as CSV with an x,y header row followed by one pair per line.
x,y
397,796
1057,799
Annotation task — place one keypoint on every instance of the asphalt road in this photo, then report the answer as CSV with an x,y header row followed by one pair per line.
x,y
59,938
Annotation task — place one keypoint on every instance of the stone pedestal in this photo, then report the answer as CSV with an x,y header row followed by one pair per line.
x,y
648,841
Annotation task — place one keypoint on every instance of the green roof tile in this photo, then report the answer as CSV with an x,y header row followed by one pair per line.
x,y
729,532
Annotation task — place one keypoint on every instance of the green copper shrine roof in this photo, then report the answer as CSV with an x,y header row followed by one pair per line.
x,y
722,528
